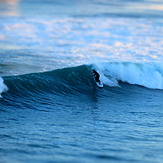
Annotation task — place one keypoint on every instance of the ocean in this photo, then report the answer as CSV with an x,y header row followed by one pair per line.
x,y
51,110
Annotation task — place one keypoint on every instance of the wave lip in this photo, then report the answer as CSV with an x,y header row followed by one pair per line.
x,y
3,87
149,75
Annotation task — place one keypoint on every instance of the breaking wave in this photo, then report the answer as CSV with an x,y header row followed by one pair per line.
x,y
79,79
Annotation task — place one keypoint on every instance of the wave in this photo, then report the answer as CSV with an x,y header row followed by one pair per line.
x,y
73,80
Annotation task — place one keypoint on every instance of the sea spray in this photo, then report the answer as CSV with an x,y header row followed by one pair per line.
x,y
3,87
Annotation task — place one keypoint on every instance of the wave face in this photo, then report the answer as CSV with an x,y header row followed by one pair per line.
x,y
59,82
74,80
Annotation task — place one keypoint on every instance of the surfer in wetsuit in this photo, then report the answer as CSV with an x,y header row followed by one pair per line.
x,y
96,75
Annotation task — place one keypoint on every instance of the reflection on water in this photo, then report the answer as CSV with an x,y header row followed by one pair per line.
x,y
9,7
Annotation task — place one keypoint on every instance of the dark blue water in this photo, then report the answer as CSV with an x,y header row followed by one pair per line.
x,y
51,109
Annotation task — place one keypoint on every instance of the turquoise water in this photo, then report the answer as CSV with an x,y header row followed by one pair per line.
x,y
52,110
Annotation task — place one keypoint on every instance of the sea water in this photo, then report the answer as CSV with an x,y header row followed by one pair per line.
x,y
51,110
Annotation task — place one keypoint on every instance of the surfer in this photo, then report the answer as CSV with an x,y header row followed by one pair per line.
x,y
96,75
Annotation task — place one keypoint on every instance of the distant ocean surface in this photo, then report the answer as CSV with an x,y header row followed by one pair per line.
x,y
51,109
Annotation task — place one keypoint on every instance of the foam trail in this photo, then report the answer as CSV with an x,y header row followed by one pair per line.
x,y
149,75
3,87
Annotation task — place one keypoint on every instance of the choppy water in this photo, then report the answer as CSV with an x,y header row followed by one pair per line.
x,y
51,109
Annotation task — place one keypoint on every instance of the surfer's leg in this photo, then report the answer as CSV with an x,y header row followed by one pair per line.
x,y
97,79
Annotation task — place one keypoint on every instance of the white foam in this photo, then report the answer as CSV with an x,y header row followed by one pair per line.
x,y
149,75
3,87
107,80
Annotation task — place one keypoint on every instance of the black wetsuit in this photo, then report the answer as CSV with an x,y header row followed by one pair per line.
x,y
96,75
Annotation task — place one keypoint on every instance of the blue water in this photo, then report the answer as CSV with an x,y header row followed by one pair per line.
x,y
50,107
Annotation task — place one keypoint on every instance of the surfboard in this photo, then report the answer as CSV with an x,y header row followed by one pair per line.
x,y
99,84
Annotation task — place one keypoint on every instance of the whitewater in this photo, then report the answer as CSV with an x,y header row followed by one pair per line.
x,y
149,75
50,106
